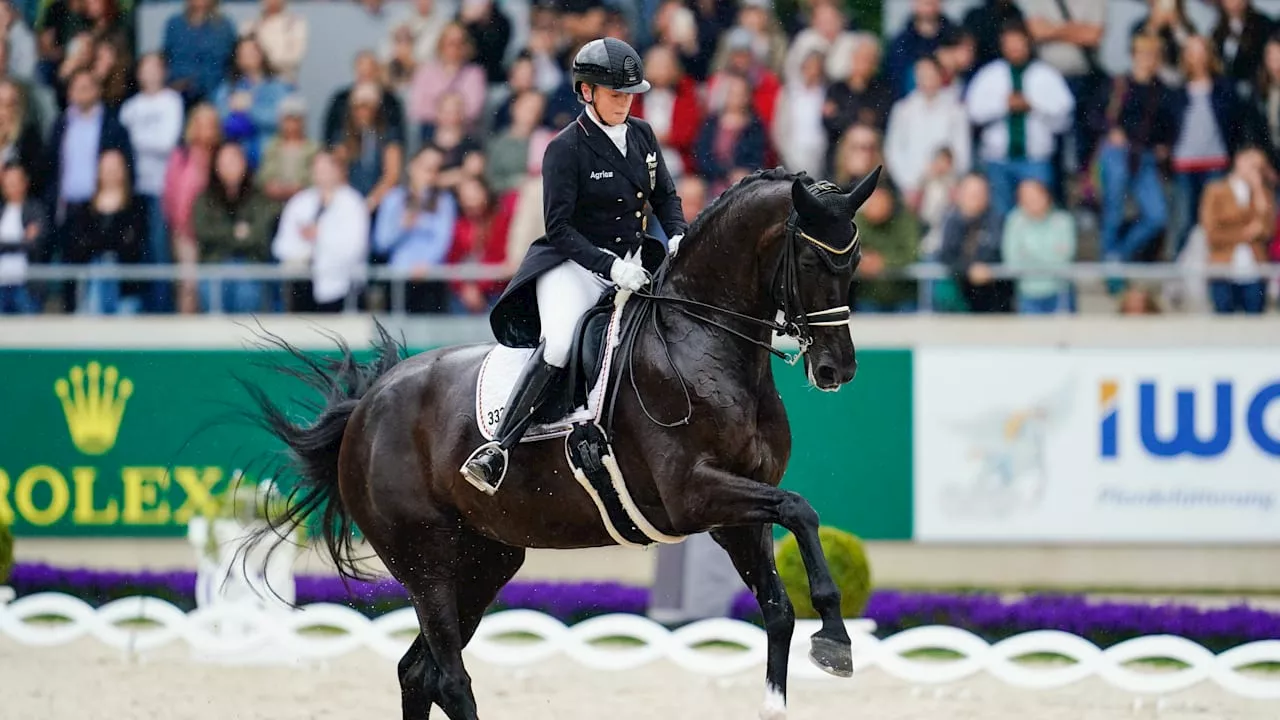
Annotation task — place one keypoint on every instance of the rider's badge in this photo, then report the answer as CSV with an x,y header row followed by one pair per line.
x,y
651,160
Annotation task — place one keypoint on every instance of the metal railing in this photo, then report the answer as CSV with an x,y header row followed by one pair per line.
x,y
397,278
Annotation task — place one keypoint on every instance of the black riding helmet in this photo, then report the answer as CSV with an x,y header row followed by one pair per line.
x,y
609,62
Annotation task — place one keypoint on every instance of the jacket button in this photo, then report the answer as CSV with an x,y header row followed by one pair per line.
x,y
639,195
637,234
619,199
617,239
618,218
637,213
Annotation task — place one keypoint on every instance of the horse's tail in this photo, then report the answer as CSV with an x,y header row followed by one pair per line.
x,y
314,448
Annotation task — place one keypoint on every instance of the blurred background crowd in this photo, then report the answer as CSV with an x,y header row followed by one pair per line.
x,y
1007,144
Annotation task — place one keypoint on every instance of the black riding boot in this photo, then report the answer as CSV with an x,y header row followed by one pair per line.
x,y
488,464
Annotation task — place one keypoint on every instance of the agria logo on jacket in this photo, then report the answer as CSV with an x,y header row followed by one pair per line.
x,y
1230,406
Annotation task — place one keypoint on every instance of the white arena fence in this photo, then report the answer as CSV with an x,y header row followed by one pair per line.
x,y
244,633
1183,281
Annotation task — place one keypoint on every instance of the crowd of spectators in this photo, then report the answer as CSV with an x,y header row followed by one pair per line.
x,y
999,130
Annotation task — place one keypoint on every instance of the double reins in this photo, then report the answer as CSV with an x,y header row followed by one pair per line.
x,y
795,321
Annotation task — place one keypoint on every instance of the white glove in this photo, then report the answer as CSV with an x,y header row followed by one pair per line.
x,y
627,275
674,243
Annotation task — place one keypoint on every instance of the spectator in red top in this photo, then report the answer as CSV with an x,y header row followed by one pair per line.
x,y
480,237
672,107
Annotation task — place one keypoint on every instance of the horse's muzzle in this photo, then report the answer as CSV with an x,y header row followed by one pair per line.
x,y
828,375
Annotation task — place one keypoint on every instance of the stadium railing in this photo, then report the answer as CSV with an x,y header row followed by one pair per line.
x,y
396,278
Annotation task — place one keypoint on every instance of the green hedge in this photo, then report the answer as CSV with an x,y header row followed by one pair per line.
x,y
849,567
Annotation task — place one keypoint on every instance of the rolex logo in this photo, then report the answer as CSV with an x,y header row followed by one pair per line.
x,y
93,402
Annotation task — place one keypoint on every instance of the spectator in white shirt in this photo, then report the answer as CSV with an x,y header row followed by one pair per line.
x,y
282,35
920,124
425,21
1020,105
154,119
19,41
798,132
325,228
22,225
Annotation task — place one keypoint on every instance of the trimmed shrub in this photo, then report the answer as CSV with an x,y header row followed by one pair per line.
x,y
849,568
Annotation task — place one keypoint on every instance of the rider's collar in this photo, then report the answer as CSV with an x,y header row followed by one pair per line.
x,y
616,133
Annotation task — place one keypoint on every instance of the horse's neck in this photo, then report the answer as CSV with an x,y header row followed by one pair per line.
x,y
736,281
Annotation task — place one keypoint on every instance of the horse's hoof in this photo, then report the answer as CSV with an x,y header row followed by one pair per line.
x,y
832,657
775,705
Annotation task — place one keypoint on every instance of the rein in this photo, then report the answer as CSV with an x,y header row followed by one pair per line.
x,y
795,321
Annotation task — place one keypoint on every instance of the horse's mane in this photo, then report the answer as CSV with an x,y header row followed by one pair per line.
x,y
727,198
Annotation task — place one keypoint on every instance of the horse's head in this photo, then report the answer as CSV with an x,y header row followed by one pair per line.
x,y
823,251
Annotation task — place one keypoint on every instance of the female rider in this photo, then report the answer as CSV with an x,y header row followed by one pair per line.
x,y
597,175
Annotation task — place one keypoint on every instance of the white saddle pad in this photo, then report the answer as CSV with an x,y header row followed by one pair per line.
x,y
501,367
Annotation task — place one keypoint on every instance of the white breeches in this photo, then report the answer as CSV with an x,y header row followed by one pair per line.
x,y
565,292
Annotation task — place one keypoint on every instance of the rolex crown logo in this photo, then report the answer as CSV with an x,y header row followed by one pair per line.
x,y
93,402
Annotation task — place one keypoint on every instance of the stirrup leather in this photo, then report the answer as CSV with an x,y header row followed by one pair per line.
x,y
484,458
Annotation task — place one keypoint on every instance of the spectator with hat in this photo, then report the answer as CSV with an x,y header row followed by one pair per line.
x,y
286,160
768,42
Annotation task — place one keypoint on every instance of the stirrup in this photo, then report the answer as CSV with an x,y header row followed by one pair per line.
x,y
478,480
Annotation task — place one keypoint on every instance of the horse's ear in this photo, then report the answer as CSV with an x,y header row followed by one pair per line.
x,y
863,190
805,203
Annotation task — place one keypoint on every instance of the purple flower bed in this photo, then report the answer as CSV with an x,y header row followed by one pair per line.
x,y
986,615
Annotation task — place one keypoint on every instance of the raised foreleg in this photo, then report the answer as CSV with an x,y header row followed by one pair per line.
x,y
713,498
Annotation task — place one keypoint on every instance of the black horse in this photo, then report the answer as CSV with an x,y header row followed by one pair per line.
x,y
699,432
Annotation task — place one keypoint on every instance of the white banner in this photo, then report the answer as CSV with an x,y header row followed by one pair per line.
x,y
1159,445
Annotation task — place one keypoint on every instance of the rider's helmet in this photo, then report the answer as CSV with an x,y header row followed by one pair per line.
x,y
609,62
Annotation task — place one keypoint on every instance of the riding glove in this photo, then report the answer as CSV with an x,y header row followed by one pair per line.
x,y
628,276
674,243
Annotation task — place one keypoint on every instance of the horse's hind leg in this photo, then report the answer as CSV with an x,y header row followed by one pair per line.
x,y
751,550
461,575
484,567
417,671
433,587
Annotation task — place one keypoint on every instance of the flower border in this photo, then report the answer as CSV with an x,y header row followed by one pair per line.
x,y
985,614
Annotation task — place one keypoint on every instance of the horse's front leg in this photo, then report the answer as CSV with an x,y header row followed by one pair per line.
x,y
713,498
751,550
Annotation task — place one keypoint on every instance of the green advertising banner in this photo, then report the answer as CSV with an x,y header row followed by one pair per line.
x,y
851,451
125,443
134,443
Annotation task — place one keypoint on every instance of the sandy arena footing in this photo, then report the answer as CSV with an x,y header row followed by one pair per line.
x,y
86,680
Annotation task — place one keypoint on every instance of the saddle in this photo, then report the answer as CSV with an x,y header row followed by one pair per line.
x,y
579,395
573,412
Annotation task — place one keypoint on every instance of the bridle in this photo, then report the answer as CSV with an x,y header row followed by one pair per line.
x,y
795,321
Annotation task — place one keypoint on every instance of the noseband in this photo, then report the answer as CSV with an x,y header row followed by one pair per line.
x,y
785,290
795,321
